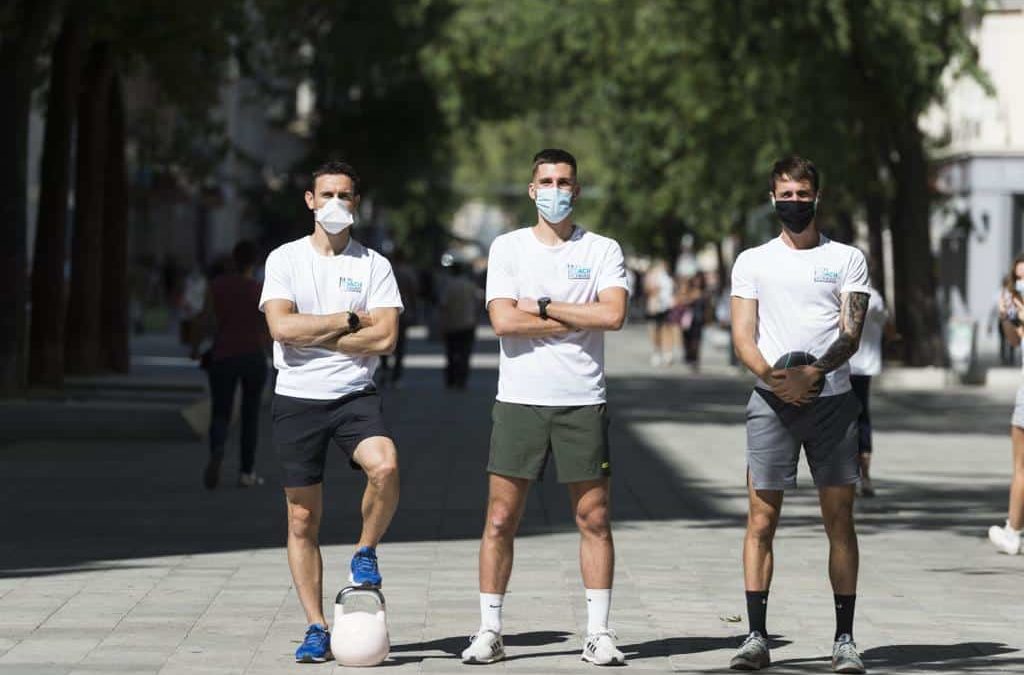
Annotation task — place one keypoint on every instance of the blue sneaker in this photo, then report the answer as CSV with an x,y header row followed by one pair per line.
x,y
364,568
316,648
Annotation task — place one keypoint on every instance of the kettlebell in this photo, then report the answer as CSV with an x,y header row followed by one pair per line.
x,y
360,633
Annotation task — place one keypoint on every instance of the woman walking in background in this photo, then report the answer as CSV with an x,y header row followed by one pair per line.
x,y
1007,538
658,290
238,355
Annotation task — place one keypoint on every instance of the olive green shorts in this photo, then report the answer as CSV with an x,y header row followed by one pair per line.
x,y
524,436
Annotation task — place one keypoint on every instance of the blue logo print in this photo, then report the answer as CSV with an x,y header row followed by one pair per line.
x,y
350,285
826,275
578,273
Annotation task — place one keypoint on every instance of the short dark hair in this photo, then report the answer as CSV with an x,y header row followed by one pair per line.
x,y
554,156
335,167
244,255
795,168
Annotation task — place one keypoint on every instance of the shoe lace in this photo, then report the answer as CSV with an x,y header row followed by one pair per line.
x,y
595,637
365,562
315,634
753,636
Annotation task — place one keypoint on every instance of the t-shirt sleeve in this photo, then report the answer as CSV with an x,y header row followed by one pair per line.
x,y
743,283
277,279
856,280
384,288
613,270
502,281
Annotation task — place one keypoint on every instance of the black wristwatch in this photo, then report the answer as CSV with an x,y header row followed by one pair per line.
x,y
542,307
353,322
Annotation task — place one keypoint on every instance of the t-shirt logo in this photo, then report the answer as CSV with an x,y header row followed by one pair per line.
x,y
825,275
578,273
350,285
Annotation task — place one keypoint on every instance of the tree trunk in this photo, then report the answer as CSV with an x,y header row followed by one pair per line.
x,y
19,50
46,343
917,309
874,209
116,328
82,345
842,229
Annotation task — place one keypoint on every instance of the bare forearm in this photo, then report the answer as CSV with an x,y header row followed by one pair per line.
x,y
309,330
375,340
517,323
854,309
588,316
750,356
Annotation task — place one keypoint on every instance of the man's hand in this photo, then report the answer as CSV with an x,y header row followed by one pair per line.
x,y
796,386
528,305
365,319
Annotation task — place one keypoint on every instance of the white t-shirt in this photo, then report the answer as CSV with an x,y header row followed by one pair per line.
x,y
868,359
798,298
556,371
357,279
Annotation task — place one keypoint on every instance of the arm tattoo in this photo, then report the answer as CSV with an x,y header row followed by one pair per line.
x,y
854,309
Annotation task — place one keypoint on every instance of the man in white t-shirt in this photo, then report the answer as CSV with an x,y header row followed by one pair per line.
x,y
552,291
800,292
332,306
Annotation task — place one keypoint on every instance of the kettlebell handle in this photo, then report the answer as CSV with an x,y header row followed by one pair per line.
x,y
344,593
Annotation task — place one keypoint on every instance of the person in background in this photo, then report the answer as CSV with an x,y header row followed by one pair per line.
x,y
460,310
658,291
238,355
694,301
409,289
1007,538
864,365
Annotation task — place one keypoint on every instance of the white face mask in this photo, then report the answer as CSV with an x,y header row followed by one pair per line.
x,y
334,216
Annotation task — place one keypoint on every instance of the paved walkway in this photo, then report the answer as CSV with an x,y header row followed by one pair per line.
x,y
114,560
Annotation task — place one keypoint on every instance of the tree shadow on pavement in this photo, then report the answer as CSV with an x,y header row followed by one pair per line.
x,y
964,657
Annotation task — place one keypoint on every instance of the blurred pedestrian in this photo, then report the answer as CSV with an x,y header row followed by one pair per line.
x,y
1007,538
460,311
238,355
409,288
694,303
658,289
864,365
332,306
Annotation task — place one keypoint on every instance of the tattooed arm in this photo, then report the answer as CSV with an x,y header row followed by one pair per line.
x,y
851,324
801,384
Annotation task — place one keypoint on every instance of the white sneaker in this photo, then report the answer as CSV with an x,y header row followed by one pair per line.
x,y
1005,539
655,360
599,648
484,647
249,480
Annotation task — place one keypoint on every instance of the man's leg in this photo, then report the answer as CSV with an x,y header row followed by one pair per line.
x,y
379,459
223,380
758,555
305,508
844,556
254,376
505,504
591,507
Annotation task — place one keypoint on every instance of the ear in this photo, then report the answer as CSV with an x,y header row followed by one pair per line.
x,y
355,203
771,196
531,190
310,201
576,191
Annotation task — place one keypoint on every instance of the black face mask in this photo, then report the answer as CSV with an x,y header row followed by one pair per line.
x,y
796,216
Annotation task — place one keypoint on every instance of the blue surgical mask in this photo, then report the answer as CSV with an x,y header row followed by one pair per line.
x,y
554,205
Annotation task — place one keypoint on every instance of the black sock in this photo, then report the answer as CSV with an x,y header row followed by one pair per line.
x,y
757,611
844,614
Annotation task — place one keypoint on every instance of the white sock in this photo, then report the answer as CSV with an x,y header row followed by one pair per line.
x,y
599,603
490,611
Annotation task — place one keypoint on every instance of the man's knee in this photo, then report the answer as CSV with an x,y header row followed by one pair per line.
x,y
383,473
501,521
303,522
595,522
761,526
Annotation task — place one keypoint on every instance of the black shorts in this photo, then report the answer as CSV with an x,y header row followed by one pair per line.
x,y
303,428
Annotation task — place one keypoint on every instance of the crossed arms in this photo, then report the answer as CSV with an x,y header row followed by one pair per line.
x,y
798,385
521,318
377,333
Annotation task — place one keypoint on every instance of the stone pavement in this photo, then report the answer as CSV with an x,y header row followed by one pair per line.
x,y
114,560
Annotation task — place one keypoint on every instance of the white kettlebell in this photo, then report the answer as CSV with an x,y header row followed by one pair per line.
x,y
360,633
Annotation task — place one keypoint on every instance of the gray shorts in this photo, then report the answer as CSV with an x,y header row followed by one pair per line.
x,y
1018,410
826,428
